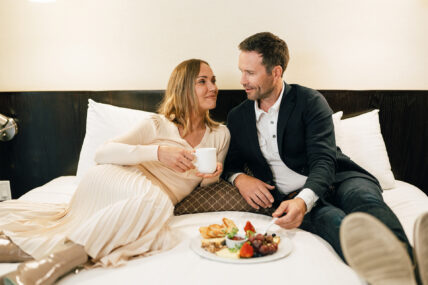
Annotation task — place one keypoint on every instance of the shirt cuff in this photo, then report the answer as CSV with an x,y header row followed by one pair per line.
x,y
233,177
309,197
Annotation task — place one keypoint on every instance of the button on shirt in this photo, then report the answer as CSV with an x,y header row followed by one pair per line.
x,y
286,180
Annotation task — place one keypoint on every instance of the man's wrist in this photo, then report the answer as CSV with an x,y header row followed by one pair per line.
x,y
232,178
304,205
309,197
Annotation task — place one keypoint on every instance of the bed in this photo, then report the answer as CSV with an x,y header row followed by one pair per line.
x,y
311,261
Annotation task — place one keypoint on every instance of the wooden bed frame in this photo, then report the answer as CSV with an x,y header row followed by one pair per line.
x,y
52,128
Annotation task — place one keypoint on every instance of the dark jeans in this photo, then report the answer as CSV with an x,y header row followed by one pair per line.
x,y
352,195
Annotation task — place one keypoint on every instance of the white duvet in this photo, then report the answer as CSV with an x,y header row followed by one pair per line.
x,y
312,260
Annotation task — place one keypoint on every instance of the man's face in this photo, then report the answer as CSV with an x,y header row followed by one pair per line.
x,y
256,81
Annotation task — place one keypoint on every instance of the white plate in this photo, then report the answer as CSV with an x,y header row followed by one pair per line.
x,y
284,248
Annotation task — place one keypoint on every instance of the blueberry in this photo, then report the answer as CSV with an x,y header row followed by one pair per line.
x,y
273,235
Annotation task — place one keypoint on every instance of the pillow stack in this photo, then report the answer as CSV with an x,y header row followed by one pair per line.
x,y
358,137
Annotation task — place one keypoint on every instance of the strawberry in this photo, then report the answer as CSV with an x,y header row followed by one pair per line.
x,y
246,251
249,227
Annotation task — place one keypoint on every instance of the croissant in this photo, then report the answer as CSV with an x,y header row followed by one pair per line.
x,y
229,224
217,231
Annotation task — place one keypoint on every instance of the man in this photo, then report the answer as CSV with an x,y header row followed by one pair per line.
x,y
284,134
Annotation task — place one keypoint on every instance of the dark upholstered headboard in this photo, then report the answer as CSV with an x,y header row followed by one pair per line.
x,y
52,128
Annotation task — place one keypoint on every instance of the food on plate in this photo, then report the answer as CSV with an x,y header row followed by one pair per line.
x,y
264,244
214,235
235,241
246,250
217,231
238,238
213,244
224,241
226,253
230,225
249,227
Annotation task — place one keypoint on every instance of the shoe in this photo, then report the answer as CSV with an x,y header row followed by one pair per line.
x,y
47,270
420,234
10,252
374,252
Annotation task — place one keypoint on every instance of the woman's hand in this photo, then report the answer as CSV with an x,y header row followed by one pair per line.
x,y
176,158
209,175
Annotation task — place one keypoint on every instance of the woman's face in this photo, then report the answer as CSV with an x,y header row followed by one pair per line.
x,y
205,88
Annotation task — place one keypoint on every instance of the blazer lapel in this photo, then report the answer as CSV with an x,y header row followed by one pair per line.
x,y
253,138
285,109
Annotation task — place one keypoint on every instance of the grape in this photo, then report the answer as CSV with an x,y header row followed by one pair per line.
x,y
263,244
256,244
271,248
264,250
260,237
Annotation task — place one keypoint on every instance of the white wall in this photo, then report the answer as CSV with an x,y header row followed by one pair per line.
x,y
130,44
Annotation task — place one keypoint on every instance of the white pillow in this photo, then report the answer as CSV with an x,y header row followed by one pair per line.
x,y
103,123
360,138
336,122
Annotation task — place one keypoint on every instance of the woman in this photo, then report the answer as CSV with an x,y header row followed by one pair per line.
x,y
122,206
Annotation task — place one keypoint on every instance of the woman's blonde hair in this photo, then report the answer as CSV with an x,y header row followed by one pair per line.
x,y
180,98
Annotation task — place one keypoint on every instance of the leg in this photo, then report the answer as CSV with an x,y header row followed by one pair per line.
x,y
47,270
372,238
325,221
421,246
10,252
372,250
132,214
362,195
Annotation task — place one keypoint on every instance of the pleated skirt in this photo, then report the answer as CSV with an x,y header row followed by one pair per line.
x,y
116,213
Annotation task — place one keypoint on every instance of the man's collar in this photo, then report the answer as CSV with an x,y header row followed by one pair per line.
x,y
275,106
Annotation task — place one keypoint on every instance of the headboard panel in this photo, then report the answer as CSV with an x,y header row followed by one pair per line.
x,y
404,125
52,128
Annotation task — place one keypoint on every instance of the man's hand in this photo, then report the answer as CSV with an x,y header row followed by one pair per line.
x,y
217,172
178,159
254,191
294,209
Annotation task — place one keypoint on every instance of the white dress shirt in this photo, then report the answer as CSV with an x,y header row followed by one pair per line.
x,y
286,180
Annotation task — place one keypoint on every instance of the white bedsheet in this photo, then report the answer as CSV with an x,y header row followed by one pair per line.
x,y
312,260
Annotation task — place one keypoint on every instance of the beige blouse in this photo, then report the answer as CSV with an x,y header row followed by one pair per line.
x,y
139,147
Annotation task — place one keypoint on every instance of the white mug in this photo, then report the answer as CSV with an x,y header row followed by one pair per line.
x,y
206,159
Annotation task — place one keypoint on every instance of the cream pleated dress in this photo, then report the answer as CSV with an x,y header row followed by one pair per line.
x,y
122,206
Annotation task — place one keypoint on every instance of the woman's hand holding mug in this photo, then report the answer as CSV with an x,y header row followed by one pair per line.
x,y
206,162
176,158
217,172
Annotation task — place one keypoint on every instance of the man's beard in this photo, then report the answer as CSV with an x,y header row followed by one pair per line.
x,y
258,95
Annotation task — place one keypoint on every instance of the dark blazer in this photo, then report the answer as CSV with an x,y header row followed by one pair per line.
x,y
305,137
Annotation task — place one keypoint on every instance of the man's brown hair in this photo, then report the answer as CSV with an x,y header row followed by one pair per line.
x,y
273,49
